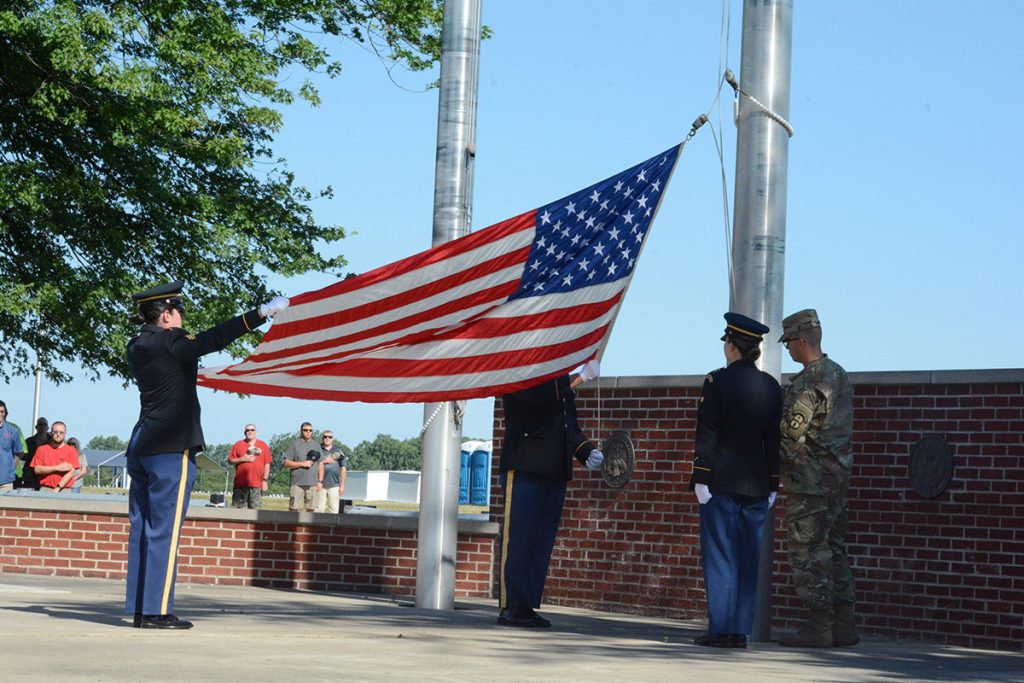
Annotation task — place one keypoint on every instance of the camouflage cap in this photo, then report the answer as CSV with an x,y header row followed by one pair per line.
x,y
798,322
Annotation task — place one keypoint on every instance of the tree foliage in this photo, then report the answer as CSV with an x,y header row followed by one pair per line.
x,y
106,443
136,148
387,453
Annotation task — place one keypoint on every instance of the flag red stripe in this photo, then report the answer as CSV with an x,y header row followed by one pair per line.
x,y
497,327
390,303
484,328
437,254
497,294
393,367
242,387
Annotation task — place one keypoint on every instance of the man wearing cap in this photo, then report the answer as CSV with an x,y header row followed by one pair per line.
x,y
736,478
817,428
161,452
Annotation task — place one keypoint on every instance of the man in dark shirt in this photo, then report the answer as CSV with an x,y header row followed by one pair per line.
x,y
161,452
29,478
736,478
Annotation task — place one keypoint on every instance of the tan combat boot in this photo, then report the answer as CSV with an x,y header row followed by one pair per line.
x,y
844,627
817,632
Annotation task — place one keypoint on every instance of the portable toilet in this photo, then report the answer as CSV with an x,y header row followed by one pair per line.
x,y
467,450
480,474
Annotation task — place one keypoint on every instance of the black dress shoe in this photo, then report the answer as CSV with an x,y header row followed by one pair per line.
x,y
713,640
522,618
163,621
537,620
737,640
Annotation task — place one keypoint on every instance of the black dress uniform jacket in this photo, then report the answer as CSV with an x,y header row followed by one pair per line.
x,y
738,434
541,432
165,363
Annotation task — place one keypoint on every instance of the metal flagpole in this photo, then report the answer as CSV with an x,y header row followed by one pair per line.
x,y
453,202
39,386
759,227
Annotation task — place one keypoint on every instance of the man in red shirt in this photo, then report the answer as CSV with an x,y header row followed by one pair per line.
x,y
251,458
55,462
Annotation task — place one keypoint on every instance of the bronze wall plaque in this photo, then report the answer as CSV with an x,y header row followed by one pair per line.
x,y
618,459
931,465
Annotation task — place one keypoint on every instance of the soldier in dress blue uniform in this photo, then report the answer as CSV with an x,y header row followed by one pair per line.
x,y
736,479
164,360
541,439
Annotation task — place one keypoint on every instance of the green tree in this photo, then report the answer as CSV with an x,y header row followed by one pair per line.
x,y
386,452
106,443
216,480
136,147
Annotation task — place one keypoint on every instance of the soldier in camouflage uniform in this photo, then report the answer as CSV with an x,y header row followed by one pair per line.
x,y
817,428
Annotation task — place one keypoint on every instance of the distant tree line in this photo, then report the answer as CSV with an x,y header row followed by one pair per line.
x,y
385,452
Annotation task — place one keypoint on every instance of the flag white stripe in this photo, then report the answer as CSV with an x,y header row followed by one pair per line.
x,y
515,308
455,349
411,280
390,316
437,384
374,322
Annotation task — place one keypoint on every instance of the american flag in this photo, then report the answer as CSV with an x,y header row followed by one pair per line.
x,y
492,312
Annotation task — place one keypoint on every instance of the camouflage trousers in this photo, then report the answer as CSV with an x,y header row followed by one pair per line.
x,y
816,529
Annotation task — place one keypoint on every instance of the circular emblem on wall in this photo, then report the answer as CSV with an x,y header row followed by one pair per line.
x,y
931,465
618,459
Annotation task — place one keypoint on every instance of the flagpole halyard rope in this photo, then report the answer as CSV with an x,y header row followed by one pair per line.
x,y
730,78
426,424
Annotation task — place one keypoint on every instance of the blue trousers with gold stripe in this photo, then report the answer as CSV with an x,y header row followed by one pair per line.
x,y
533,511
731,531
157,501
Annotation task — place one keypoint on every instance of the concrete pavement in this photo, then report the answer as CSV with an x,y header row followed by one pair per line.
x,y
70,629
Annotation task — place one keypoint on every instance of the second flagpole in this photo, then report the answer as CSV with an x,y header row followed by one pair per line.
x,y
453,209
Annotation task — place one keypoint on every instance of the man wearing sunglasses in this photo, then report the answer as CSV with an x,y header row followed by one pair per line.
x,y
817,432
251,459
302,454
164,360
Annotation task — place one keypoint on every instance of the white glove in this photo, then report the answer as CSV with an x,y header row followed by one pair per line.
x,y
590,370
771,499
595,459
703,493
275,306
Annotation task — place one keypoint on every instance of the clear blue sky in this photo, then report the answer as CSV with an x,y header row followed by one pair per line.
x,y
903,228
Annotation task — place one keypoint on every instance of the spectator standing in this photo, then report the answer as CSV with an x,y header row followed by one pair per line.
x,y
332,471
300,458
251,458
12,446
817,433
542,437
736,478
83,466
55,462
164,360
29,480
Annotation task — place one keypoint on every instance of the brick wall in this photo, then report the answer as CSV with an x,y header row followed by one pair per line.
x,y
949,569
41,535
